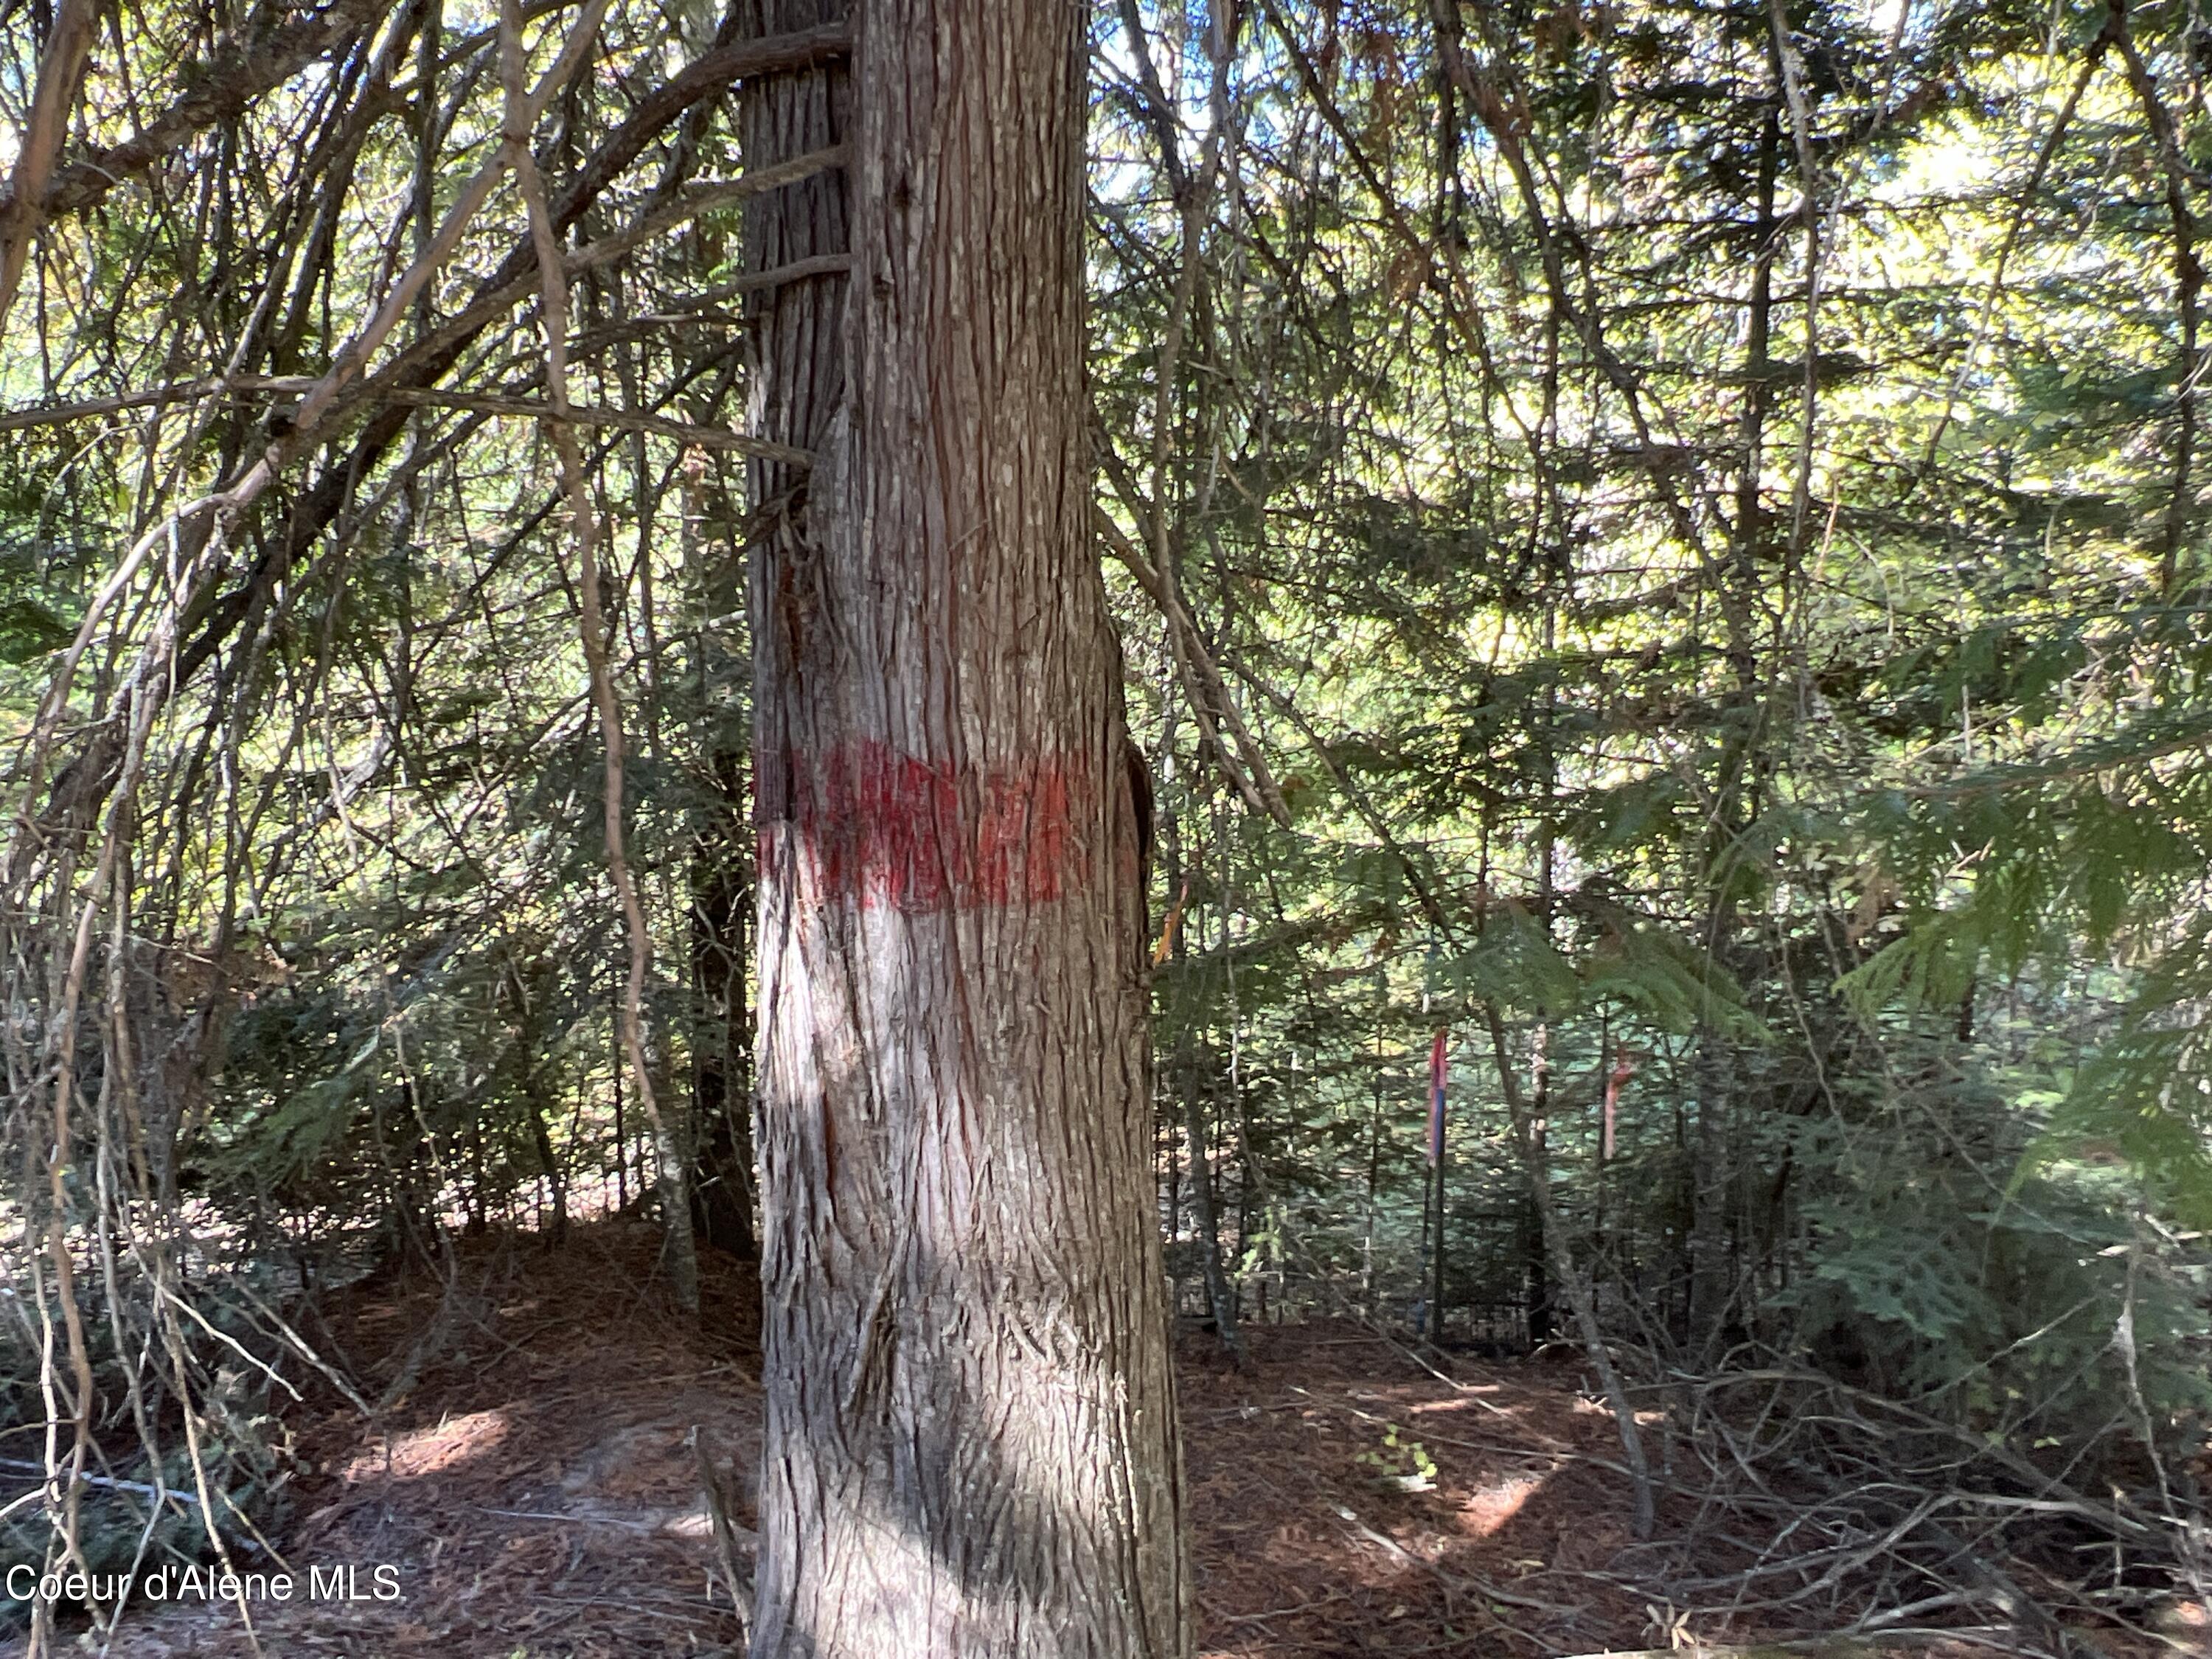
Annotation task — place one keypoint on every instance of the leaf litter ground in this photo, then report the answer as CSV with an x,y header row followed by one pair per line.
x,y
536,1480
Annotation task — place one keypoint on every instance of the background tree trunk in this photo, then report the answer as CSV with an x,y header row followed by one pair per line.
x,y
970,1438
721,1070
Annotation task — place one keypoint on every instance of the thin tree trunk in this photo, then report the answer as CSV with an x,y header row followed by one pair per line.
x,y
1367,1209
721,1065
1538,1307
1204,1195
541,1137
622,1132
1436,1258
721,879
970,1444
1528,1126
533,998
1710,1286
1218,1295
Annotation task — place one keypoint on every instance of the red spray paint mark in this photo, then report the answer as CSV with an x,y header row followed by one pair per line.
x,y
916,835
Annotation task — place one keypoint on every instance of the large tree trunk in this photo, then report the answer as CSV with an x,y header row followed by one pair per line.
x,y
970,1438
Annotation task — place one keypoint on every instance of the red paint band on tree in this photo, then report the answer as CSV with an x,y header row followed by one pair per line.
x,y
897,831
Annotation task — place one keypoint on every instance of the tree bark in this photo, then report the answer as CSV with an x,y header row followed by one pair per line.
x,y
970,1443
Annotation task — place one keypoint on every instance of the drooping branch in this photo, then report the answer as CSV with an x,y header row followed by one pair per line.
x,y
59,72
676,1209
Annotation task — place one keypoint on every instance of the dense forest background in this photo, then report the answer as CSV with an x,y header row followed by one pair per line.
x,y
1660,559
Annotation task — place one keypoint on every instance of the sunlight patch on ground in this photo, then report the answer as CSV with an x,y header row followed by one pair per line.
x,y
448,1445
1486,1509
1430,1407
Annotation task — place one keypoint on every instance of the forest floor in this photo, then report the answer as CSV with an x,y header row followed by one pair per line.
x,y
536,1486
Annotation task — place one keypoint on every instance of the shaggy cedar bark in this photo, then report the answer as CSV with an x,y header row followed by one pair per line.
x,y
970,1440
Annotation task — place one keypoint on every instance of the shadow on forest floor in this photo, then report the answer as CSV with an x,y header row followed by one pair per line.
x,y
537,1490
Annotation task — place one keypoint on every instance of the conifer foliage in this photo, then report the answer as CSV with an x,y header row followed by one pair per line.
x,y
1664,541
